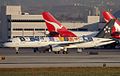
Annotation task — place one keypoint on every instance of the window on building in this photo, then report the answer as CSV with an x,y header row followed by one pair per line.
x,y
82,29
39,29
29,29
79,29
25,20
17,29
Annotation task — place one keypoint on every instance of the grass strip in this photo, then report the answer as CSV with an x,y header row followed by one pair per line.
x,y
60,71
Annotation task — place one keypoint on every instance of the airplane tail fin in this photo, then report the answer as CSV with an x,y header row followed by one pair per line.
x,y
106,31
107,16
55,27
115,32
52,24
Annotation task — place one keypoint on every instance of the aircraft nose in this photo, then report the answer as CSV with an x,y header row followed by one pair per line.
x,y
5,44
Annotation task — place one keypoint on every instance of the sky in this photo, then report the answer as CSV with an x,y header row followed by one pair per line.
x,y
71,7
35,5
38,4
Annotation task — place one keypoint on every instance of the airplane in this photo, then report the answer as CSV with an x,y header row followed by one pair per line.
x,y
56,29
55,26
58,44
27,42
116,28
52,25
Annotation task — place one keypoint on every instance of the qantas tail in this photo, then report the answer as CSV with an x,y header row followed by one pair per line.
x,y
55,27
51,23
115,32
106,31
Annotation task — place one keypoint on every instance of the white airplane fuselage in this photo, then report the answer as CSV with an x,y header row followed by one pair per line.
x,y
74,42
93,43
16,42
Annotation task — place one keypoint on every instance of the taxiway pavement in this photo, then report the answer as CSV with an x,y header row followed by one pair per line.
x,y
28,59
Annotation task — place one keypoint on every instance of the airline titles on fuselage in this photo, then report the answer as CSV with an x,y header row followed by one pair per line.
x,y
56,39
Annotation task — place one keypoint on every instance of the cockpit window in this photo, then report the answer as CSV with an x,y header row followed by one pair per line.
x,y
9,41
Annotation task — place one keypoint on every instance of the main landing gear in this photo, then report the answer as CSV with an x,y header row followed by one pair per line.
x,y
64,51
79,50
35,50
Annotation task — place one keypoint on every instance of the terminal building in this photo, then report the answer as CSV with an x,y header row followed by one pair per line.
x,y
15,23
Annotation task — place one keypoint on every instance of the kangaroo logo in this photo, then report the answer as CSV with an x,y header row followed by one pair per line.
x,y
56,26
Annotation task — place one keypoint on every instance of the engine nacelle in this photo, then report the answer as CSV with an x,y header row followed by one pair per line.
x,y
57,48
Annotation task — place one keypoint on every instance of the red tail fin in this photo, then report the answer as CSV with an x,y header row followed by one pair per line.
x,y
108,16
52,24
55,26
116,29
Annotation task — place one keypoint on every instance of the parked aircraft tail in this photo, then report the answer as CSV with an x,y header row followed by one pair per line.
x,y
108,16
115,32
106,31
55,27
